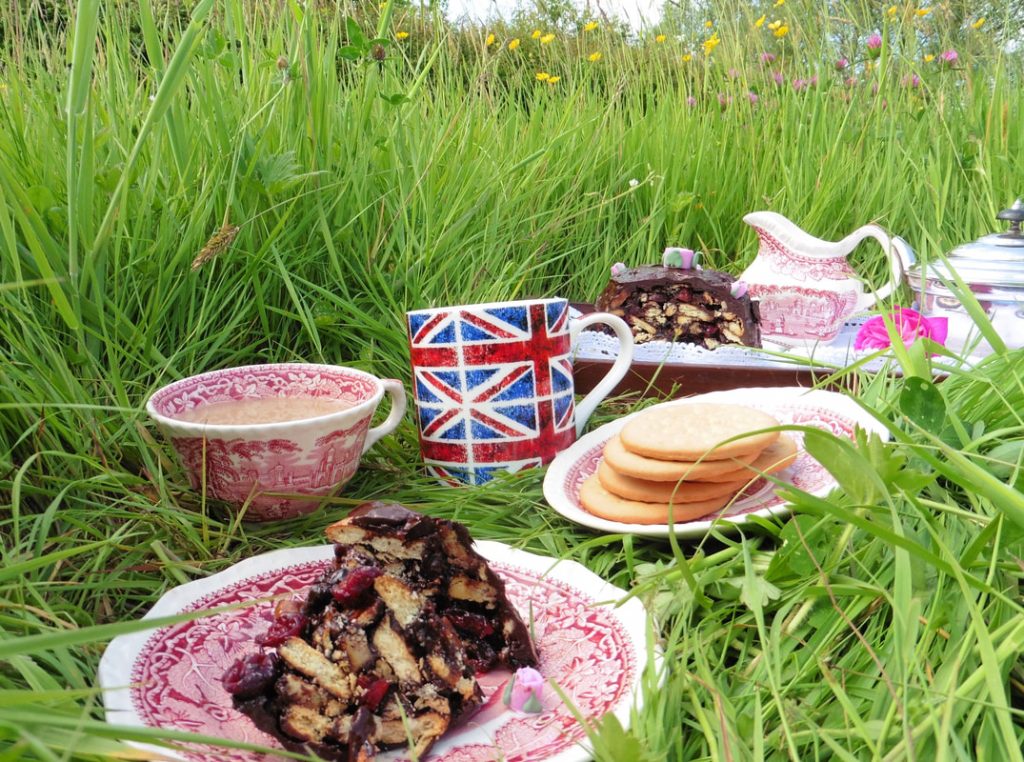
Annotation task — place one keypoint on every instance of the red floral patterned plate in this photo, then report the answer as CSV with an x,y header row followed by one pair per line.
x,y
595,652
794,405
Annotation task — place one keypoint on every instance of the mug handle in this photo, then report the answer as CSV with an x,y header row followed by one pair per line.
x,y
394,389
618,370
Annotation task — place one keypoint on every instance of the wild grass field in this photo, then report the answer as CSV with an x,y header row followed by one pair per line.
x,y
187,186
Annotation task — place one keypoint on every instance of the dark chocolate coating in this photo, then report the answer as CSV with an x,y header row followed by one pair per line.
x,y
646,276
675,304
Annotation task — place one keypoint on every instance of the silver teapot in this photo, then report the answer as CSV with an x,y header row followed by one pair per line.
x,y
992,267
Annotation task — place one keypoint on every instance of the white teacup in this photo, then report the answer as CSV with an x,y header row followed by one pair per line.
x,y
274,470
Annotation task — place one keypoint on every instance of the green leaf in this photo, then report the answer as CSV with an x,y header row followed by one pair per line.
x,y
756,591
350,53
1006,460
612,742
923,403
356,38
850,469
807,543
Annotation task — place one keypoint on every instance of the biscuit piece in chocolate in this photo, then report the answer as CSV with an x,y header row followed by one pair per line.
x,y
384,651
683,305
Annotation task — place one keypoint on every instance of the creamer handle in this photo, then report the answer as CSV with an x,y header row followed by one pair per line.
x,y
901,258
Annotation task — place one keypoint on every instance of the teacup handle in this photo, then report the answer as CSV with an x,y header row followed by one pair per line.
x,y
396,392
618,370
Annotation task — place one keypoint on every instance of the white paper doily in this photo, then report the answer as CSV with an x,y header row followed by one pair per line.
x,y
836,354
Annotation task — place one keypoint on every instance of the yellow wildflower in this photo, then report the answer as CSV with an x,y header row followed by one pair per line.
x,y
782,31
547,38
778,3
590,26
711,43
594,57
928,58
553,80
708,24
660,38
402,35
536,34
775,25
687,57
977,24
543,76
513,44
922,12
760,22
490,40
893,10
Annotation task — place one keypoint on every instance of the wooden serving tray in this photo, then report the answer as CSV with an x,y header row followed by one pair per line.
x,y
652,378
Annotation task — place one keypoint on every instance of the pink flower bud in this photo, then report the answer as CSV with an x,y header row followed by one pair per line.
x,y
753,98
777,76
874,46
767,58
691,101
949,57
842,64
524,692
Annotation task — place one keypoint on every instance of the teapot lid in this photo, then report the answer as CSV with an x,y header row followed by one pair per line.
x,y
996,259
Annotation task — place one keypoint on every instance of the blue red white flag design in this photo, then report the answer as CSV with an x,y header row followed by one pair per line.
x,y
493,388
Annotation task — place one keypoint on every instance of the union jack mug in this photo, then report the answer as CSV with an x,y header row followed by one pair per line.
x,y
493,385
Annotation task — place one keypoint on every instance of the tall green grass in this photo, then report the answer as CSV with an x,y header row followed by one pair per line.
x,y
884,621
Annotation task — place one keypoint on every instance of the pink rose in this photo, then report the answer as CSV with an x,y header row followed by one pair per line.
x,y
910,324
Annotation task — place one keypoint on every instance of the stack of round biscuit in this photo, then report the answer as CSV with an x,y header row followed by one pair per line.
x,y
682,462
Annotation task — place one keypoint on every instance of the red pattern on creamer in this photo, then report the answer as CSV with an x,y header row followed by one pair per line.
x,y
805,473
797,312
787,262
177,673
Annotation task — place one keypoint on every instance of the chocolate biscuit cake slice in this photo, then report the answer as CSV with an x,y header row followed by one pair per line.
x,y
385,649
680,302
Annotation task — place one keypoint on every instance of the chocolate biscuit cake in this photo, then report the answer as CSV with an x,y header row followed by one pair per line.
x,y
384,651
682,303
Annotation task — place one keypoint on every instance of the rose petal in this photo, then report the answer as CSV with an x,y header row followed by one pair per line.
x,y
938,329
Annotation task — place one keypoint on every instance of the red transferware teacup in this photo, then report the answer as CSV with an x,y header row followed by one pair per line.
x,y
218,424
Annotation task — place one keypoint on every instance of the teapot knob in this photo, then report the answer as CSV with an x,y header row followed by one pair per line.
x,y
1014,215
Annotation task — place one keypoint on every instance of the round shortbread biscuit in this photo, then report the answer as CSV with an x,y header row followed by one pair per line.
x,y
698,431
646,491
630,464
600,502
778,455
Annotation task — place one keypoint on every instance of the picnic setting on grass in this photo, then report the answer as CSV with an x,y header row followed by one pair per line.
x,y
456,440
